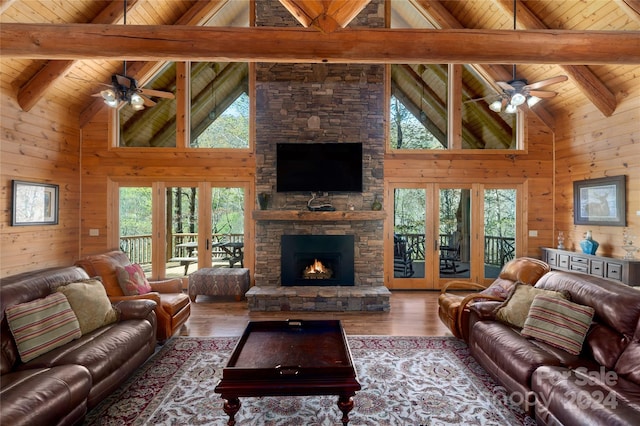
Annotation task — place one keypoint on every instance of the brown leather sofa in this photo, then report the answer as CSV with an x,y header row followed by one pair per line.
x,y
453,309
599,386
173,306
59,386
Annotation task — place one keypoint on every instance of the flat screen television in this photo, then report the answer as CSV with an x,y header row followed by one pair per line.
x,y
319,167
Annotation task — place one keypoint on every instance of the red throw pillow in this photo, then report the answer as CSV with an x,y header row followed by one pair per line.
x,y
132,280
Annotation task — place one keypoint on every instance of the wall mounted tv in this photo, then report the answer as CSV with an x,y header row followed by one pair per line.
x,y
319,167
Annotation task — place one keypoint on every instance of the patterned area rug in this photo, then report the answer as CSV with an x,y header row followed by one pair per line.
x,y
405,381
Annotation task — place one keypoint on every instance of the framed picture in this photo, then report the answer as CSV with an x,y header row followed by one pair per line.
x,y
600,201
34,203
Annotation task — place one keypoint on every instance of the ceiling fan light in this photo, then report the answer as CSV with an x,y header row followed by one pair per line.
x,y
496,106
518,99
533,100
109,97
511,109
137,102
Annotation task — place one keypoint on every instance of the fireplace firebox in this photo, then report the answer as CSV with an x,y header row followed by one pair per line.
x,y
317,260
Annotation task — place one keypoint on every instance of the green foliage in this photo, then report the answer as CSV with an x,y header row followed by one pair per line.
x,y
229,130
135,211
406,131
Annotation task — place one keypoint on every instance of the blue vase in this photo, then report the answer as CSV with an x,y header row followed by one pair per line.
x,y
589,245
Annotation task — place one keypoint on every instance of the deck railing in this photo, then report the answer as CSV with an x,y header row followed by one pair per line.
x,y
497,250
138,247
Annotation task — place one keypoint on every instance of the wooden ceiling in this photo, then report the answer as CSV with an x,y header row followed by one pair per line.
x,y
422,31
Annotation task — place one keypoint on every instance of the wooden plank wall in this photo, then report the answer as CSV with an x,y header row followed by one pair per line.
x,y
100,164
589,145
39,146
535,167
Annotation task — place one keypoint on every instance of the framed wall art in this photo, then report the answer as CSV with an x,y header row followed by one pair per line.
x,y
600,202
34,203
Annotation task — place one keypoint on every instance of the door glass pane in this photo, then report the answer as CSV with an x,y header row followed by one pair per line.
x,y
181,231
227,227
455,232
135,225
409,233
499,229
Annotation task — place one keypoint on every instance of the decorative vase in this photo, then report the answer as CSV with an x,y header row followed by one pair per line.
x,y
376,205
589,245
263,200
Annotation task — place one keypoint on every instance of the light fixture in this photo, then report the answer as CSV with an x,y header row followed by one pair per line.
x,y
137,102
110,97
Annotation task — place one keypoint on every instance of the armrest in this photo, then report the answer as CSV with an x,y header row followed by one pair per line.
x,y
154,296
468,299
135,309
462,285
173,285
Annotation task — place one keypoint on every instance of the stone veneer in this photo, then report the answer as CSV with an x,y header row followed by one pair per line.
x,y
319,103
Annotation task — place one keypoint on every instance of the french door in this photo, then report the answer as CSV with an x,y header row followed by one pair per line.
x,y
175,228
439,232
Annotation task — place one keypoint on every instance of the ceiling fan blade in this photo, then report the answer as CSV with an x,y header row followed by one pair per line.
x,y
479,99
552,80
157,93
542,93
125,81
504,85
147,102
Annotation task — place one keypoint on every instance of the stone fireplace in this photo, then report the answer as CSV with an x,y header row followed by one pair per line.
x,y
317,260
316,103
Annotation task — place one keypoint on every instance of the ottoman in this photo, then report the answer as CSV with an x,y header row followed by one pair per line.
x,y
219,282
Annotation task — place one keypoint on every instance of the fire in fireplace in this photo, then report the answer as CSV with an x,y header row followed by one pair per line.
x,y
318,260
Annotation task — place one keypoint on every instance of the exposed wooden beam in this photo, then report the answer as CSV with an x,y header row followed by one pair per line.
x,y
198,14
34,89
586,81
265,44
631,8
326,15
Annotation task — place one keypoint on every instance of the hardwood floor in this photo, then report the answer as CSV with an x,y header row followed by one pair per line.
x,y
413,313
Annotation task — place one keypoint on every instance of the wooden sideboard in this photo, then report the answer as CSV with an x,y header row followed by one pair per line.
x,y
627,271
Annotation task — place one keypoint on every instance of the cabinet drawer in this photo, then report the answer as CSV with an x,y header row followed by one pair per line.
x,y
614,271
596,267
579,259
579,267
551,259
563,261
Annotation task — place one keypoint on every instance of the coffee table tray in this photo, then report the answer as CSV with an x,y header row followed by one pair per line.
x,y
291,350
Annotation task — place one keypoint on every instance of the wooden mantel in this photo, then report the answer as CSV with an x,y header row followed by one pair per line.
x,y
309,216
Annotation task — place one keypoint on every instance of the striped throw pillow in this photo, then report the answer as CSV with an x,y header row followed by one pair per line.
x,y
42,325
558,322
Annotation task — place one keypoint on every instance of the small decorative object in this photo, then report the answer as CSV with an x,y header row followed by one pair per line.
x,y
263,200
589,245
561,240
376,205
351,207
627,241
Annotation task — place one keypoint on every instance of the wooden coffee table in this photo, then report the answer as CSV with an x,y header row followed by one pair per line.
x,y
290,358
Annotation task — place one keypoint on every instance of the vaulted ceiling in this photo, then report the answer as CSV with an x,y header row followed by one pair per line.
x,y
67,80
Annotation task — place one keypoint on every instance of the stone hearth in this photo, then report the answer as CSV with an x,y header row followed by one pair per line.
x,y
319,298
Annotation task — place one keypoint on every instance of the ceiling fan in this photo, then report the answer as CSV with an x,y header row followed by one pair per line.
x,y
517,91
124,88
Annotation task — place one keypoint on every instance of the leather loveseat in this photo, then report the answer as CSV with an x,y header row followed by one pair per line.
x,y
598,386
58,387
173,305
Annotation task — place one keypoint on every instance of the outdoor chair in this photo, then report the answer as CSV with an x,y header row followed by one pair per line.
x,y
402,263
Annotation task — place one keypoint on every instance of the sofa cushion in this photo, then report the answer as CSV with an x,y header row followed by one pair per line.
x,y
90,303
515,309
132,280
558,322
42,325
